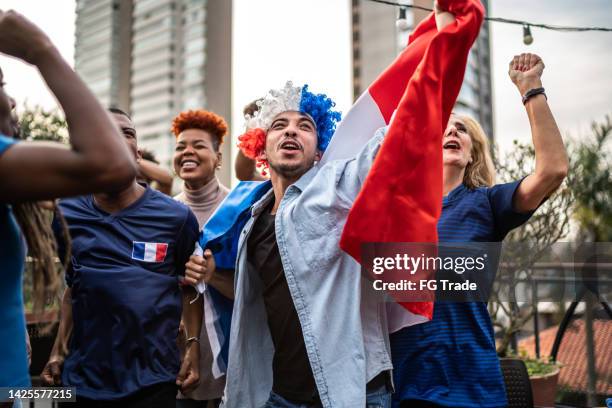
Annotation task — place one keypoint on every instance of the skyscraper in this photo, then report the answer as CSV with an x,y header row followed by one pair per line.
x,y
377,41
101,47
153,58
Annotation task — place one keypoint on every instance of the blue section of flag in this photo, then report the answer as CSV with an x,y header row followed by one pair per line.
x,y
138,250
221,234
222,231
223,308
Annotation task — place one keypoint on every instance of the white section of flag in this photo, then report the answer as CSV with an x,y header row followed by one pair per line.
x,y
213,332
150,253
398,317
355,130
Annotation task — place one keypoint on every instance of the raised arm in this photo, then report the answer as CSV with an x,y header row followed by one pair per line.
x,y
158,174
551,165
245,169
99,159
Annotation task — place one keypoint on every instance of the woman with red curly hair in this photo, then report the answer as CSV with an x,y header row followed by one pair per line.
x,y
199,135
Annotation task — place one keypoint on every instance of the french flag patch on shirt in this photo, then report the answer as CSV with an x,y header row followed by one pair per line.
x,y
149,251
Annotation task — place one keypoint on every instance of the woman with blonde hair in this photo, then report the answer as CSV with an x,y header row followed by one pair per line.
x,y
480,172
451,360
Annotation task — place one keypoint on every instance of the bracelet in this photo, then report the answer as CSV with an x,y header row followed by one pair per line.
x,y
533,92
189,340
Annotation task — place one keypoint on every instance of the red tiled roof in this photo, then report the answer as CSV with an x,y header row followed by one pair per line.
x,y
572,354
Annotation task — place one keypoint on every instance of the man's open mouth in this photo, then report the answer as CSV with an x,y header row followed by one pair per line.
x,y
290,145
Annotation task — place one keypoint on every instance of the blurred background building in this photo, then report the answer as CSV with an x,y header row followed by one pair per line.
x,y
155,58
377,41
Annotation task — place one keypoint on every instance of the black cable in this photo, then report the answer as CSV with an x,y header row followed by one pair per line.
x,y
392,3
508,20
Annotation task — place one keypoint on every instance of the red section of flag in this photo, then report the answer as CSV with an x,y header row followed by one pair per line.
x,y
160,252
401,198
388,88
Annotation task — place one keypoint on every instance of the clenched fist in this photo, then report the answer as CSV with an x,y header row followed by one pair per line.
x,y
200,268
21,38
525,71
52,373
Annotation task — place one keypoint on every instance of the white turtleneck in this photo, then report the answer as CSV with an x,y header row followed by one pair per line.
x,y
203,201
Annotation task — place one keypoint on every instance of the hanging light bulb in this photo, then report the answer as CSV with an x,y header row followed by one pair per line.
x,y
402,21
527,37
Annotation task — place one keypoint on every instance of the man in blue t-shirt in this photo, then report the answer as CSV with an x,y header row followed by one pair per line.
x,y
122,308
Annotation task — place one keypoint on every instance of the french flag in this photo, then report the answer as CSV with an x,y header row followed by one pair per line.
x,y
374,109
401,198
149,251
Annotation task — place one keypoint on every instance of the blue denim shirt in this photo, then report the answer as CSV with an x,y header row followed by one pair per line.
x,y
343,319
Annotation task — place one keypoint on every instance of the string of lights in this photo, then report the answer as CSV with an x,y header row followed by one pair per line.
x,y
402,23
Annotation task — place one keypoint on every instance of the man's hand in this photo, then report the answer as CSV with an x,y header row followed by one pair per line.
x,y
525,71
52,373
21,38
200,268
443,16
189,375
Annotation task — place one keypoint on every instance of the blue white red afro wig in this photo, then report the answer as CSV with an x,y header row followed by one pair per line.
x,y
290,98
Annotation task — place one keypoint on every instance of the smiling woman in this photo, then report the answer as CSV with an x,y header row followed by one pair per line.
x,y
199,135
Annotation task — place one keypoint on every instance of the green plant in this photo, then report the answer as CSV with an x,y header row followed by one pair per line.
x,y
541,366
37,123
591,183
584,197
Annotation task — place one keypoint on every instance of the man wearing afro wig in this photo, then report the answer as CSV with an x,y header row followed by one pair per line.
x,y
308,329
296,293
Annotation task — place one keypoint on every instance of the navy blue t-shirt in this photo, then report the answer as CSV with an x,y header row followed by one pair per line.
x,y
451,360
126,300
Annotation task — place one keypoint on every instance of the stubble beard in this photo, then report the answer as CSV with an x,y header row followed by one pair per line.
x,y
291,171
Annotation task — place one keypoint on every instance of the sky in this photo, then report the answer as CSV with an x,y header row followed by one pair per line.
x,y
577,77
56,18
309,42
